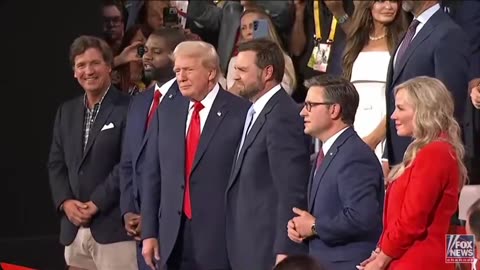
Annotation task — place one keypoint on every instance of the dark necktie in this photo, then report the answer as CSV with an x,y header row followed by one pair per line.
x,y
406,41
156,101
192,140
320,158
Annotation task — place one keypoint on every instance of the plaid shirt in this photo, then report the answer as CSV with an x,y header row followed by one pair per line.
x,y
89,120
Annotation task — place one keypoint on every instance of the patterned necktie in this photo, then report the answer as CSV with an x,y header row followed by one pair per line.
x,y
406,41
156,101
192,140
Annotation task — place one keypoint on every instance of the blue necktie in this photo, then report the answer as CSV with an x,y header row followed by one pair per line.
x,y
246,128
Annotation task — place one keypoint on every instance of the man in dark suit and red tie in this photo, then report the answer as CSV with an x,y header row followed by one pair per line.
x,y
159,68
188,160
82,165
433,46
270,174
343,221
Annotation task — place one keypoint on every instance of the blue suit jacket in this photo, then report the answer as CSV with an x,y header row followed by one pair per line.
x,y
346,197
269,178
440,50
133,144
163,177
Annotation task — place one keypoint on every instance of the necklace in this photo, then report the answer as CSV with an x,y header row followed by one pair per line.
x,y
376,38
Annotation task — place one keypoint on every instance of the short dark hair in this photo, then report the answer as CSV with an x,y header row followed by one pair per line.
x,y
340,91
474,219
172,36
119,6
298,262
268,54
83,43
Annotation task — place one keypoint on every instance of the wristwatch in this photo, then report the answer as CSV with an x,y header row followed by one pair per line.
x,y
342,19
314,229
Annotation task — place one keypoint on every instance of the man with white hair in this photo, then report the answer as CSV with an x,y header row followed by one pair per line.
x,y
189,155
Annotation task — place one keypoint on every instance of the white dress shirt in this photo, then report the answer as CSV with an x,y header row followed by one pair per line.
x,y
163,90
262,101
207,103
330,141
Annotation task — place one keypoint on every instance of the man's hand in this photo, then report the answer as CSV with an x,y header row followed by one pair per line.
x,y
91,209
292,233
335,6
475,96
132,222
74,211
150,251
303,223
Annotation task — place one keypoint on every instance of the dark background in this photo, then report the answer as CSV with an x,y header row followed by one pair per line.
x,y
35,78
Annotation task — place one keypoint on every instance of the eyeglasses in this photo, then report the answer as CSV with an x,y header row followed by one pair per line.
x,y
310,105
112,20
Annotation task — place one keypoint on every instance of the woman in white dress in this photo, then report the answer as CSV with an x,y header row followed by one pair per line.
x,y
376,28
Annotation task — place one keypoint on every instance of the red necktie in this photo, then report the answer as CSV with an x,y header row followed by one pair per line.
x,y
156,101
193,138
320,158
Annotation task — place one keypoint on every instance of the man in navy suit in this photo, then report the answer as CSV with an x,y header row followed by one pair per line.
x,y
82,165
188,160
433,46
158,67
270,174
343,220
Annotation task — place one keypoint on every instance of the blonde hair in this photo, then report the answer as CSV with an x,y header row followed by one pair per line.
x,y
433,121
273,36
201,50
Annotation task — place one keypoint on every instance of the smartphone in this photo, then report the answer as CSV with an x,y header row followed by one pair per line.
x,y
260,29
140,50
170,17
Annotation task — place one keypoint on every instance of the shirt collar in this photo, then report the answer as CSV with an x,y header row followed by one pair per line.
x,y
165,87
427,14
208,100
85,102
263,100
330,141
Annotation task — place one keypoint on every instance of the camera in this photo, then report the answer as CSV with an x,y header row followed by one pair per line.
x,y
170,17
140,50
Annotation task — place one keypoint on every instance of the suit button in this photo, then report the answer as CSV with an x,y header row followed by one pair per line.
x,y
179,212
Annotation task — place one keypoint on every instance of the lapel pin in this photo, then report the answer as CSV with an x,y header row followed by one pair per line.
x,y
219,113
170,96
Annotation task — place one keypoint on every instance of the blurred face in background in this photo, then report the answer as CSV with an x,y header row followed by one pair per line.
x,y
156,59
154,12
246,25
113,25
384,12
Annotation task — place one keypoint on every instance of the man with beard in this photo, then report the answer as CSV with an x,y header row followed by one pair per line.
x,y
271,167
159,68
433,46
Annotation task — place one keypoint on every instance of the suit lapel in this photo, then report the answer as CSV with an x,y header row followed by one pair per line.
x,y
77,128
329,156
108,104
426,30
255,129
312,174
215,116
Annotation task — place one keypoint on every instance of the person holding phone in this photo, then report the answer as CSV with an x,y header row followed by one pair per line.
x,y
255,23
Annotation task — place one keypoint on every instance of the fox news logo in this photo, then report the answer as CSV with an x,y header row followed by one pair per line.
x,y
460,248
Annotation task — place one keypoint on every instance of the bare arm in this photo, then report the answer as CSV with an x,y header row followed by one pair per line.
x,y
377,135
337,9
298,39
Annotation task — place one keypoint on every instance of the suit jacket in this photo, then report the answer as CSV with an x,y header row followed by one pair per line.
x,y
91,174
133,144
226,21
164,177
269,178
418,208
346,198
440,50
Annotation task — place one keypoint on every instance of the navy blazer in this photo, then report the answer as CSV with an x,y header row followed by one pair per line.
x,y
440,50
133,144
163,177
347,202
91,174
269,178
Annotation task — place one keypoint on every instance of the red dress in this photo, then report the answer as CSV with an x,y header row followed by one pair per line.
x,y
418,208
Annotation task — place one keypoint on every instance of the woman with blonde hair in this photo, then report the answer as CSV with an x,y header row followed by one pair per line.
x,y
422,193
376,27
249,16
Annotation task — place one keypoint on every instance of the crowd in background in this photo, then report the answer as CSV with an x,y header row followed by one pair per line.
x,y
378,101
